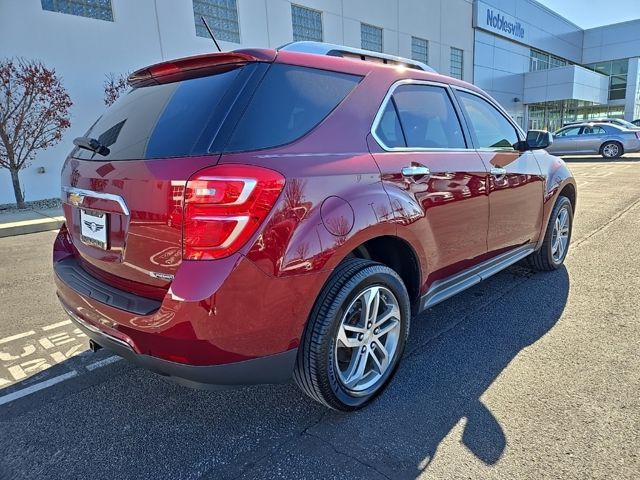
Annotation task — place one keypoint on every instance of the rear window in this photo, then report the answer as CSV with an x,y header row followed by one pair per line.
x,y
289,102
175,119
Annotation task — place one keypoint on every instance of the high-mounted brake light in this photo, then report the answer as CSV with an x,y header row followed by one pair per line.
x,y
198,65
224,206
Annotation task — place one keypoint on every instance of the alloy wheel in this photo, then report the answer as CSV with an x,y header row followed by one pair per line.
x,y
368,338
611,150
560,235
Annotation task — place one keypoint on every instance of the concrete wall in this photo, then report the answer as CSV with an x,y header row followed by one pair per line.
x,y
83,50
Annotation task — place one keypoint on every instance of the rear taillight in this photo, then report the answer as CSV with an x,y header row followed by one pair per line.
x,y
223,208
638,135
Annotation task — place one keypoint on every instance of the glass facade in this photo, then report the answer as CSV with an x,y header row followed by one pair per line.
x,y
371,37
420,49
307,24
222,17
457,63
98,9
617,71
553,115
543,61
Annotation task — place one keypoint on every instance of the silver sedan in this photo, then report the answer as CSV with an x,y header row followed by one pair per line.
x,y
606,139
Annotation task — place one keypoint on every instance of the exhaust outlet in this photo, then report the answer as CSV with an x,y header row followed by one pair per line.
x,y
93,346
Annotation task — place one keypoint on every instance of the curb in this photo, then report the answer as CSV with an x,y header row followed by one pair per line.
x,y
30,226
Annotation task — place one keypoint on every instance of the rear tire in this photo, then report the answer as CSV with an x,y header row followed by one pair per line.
x,y
611,150
556,238
355,336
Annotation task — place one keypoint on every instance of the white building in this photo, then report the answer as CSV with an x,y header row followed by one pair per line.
x,y
493,43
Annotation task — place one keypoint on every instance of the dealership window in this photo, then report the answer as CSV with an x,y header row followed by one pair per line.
x,y
543,61
371,37
99,9
307,24
457,63
222,17
617,71
420,49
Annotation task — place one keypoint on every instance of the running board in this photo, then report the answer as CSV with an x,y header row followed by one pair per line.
x,y
447,288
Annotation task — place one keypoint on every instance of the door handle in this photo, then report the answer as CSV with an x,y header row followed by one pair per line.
x,y
498,172
415,171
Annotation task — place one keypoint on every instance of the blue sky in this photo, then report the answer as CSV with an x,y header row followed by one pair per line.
x,y
591,13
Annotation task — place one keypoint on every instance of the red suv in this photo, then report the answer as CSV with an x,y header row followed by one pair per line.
x,y
257,215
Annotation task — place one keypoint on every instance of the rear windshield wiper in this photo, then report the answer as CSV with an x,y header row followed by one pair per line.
x,y
91,144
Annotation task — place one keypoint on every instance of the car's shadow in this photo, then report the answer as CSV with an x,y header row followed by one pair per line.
x,y
133,424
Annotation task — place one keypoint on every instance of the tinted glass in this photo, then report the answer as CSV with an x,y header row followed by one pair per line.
x,y
389,130
427,117
488,126
567,132
161,120
592,131
289,102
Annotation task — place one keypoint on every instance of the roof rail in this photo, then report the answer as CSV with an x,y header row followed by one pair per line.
x,y
321,48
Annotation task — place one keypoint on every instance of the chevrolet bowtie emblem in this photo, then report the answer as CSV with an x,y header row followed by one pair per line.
x,y
75,199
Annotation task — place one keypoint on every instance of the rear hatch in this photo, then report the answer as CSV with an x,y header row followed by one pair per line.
x,y
123,205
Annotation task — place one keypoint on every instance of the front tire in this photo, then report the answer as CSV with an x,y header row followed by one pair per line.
x,y
355,336
611,150
556,239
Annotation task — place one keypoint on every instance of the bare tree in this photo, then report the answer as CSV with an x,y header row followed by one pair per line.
x,y
34,112
114,85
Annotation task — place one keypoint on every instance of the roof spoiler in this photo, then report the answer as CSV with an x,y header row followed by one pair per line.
x,y
322,48
197,66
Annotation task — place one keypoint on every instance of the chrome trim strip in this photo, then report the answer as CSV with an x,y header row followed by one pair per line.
x,y
383,106
448,287
91,194
93,329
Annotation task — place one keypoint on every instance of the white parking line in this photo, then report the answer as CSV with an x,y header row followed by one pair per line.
x,y
102,363
37,387
56,325
16,337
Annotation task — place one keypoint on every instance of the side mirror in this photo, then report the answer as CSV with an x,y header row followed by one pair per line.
x,y
536,140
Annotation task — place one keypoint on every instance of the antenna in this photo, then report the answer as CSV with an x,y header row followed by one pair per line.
x,y
204,20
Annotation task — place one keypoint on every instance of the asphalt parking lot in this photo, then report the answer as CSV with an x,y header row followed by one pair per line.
x,y
527,375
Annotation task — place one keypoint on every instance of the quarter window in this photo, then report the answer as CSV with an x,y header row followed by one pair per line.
x,y
426,117
307,24
99,9
489,127
222,17
289,102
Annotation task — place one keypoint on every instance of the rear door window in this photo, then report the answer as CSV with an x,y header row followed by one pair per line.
x,y
427,117
168,120
289,102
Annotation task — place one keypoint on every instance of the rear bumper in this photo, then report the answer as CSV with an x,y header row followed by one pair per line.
x,y
270,369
